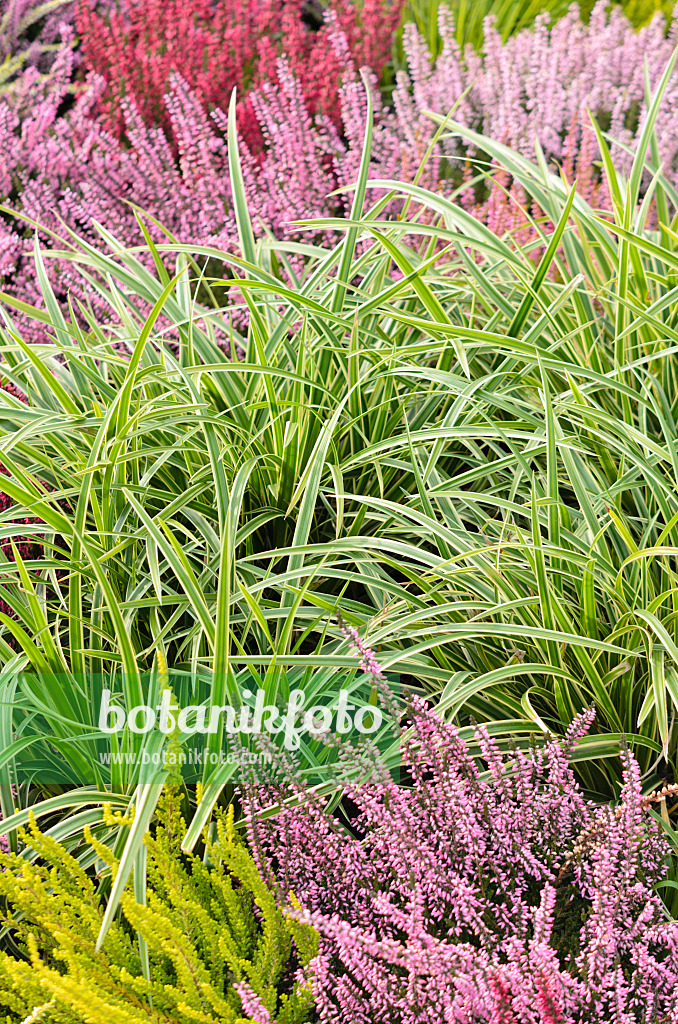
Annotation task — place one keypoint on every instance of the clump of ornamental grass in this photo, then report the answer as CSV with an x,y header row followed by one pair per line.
x,y
485,488
491,892
200,940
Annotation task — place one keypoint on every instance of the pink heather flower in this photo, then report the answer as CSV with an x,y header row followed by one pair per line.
x,y
252,1004
368,659
492,893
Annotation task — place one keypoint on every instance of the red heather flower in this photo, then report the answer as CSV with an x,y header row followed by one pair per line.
x,y
219,45
368,28
489,893
140,43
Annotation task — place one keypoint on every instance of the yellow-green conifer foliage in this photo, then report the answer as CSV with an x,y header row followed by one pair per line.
x,y
210,926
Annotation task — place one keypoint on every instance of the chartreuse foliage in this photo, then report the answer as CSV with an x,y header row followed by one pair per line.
x,y
177,950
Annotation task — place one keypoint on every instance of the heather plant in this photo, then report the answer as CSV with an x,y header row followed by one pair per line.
x,y
215,48
471,895
539,86
197,939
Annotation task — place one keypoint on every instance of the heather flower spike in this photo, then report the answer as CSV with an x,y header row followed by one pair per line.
x,y
471,897
368,659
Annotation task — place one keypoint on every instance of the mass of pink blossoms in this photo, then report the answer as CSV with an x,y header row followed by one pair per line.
x,y
463,896
61,164
538,85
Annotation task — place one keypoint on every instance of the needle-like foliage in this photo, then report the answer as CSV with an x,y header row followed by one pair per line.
x,y
202,941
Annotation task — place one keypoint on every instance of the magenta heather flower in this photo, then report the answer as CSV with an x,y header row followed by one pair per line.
x,y
252,1004
476,891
